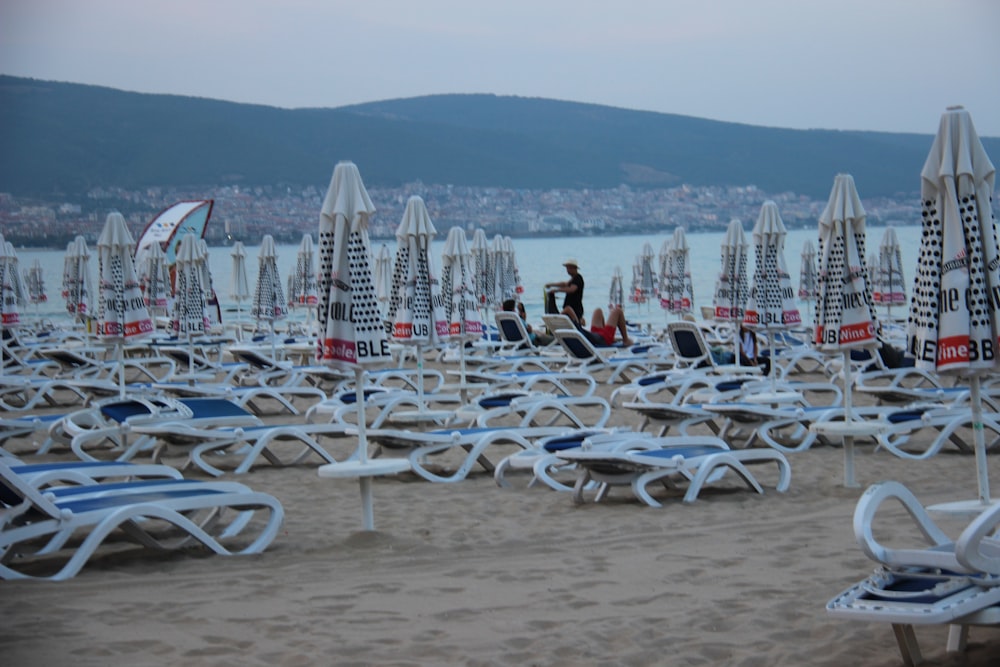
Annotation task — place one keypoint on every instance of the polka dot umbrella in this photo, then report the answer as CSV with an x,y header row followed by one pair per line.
x,y
681,288
121,309
10,316
417,306
462,312
771,303
845,314
954,323
351,333
889,276
269,303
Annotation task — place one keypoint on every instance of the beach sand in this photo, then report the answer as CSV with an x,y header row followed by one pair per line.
x,y
473,574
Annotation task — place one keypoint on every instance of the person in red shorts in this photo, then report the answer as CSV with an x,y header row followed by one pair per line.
x,y
609,328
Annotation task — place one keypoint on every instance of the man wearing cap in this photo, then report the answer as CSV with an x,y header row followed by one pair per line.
x,y
573,288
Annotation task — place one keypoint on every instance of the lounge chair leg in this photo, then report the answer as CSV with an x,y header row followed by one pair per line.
x,y
907,641
958,637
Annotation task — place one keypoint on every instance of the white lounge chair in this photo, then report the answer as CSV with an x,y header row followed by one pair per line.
x,y
949,581
638,462
40,529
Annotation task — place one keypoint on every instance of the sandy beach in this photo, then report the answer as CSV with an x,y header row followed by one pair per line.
x,y
474,574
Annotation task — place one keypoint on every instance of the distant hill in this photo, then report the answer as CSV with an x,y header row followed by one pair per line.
x,y
63,138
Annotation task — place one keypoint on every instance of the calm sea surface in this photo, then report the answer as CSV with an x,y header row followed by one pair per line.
x,y
539,260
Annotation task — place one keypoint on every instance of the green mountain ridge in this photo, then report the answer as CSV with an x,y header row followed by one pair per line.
x,y
65,139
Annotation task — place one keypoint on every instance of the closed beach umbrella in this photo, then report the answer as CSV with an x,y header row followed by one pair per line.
x,y
890,271
383,274
20,285
457,285
665,258
808,277
845,316
807,272
732,287
954,326
77,288
845,313
121,308
616,294
513,271
457,278
10,315
269,303
417,306
646,286
771,304
36,283
239,282
212,307
681,288
305,291
351,332
499,276
480,248
188,316
154,278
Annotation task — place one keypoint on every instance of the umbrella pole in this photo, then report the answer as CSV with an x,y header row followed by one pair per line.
x,y
274,347
774,364
420,378
120,354
463,391
849,480
980,440
367,509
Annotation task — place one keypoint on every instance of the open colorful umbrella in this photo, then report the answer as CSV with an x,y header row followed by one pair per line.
x,y
954,323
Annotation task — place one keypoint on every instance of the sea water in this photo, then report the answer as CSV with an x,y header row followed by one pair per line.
x,y
539,261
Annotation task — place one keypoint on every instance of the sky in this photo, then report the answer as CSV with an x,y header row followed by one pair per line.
x,y
885,65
